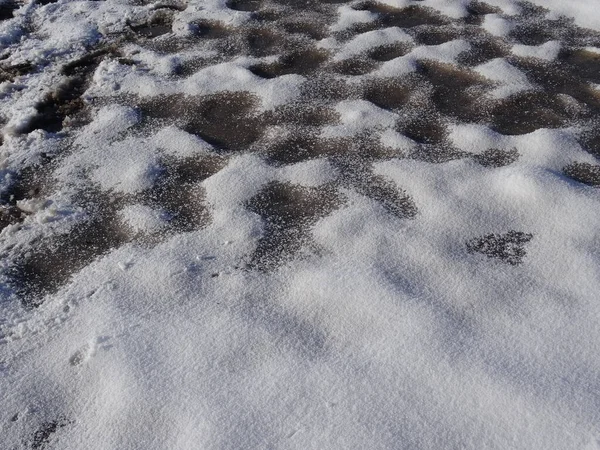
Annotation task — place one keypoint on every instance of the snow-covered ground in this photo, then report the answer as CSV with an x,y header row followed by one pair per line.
x,y
272,224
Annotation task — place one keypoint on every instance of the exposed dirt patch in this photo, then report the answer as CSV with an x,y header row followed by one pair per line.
x,y
411,16
7,8
302,62
226,120
389,51
302,114
508,247
384,192
179,194
457,92
51,265
584,63
494,157
301,145
244,5
288,211
590,141
560,79
45,433
425,130
159,24
10,72
584,173
354,66
64,105
30,183
526,112
263,42
483,49
314,30
428,35
206,29
388,93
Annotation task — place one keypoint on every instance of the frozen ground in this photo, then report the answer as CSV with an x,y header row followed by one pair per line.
x,y
272,224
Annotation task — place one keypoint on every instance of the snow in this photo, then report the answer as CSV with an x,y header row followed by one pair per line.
x,y
548,51
191,279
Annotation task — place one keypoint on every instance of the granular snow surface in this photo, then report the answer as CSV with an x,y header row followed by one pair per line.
x,y
299,224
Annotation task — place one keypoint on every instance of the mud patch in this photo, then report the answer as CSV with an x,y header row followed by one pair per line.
x,y
313,30
302,114
226,120
354,66
384,192
326,87
44,435
590,141
388,93
560,79
526,112
161,23
584,173
244,5
206,29
456,92
477,10
494,157
7,8
409,17
64,106
389,51
302,145
44,270
179,194
288,211
263,42
508,247
9,73
483,49
302,62
425,130
584,63
436,36
65,102
30,183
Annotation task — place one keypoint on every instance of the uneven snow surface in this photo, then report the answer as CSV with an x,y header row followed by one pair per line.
x,y
299,224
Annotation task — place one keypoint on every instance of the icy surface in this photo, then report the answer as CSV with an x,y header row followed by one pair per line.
x,y
273,224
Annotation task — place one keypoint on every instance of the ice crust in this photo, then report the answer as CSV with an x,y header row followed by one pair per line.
x,y
377,327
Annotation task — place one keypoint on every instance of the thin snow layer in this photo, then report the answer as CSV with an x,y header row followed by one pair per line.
x,y
509,79
252,224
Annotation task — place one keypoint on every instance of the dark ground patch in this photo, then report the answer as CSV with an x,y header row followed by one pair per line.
x,y
584,173
65,101
7,8
508,247
457,92
288,212
388,52
158,25
494,157
383,191
52,263
226,120
388,93
10,72
529,111
178,193
301,62
44,435
30,183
